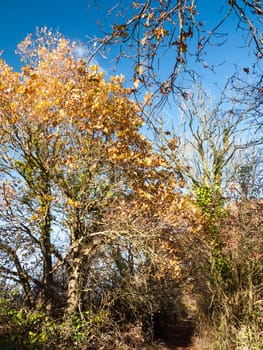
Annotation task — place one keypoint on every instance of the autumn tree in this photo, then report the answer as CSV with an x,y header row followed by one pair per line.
x,y
72,155
70,146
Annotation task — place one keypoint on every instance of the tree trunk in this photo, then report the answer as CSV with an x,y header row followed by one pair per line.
x,y
73,297
21,273
82,249
46,247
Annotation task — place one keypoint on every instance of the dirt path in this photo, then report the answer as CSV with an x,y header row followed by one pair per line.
x,y
178,337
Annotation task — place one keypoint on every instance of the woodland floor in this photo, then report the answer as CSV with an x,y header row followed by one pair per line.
x,y
174,337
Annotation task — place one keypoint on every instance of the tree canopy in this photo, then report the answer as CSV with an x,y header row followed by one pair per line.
x,y
157,34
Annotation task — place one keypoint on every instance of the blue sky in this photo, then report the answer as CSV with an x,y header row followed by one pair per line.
x,y
19,18
77,20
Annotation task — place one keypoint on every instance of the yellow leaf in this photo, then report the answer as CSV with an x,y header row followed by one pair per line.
x,y
148,98
136,83
72,203
139,69
94,68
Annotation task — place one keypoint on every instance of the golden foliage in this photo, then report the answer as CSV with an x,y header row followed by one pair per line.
x,y
70,127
